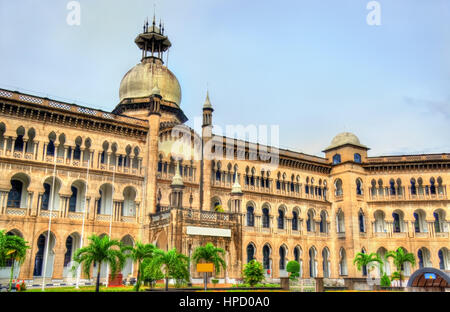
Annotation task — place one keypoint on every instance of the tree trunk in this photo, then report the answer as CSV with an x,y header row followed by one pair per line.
x,y
167,284
11,277
97,285
138,281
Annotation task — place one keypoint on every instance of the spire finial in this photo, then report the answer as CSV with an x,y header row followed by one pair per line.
x,y
207,101
177,180
236,188
154,14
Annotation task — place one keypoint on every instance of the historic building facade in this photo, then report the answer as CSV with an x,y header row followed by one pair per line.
x,y
82,171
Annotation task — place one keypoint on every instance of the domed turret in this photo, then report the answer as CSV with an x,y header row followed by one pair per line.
x,y
142,78
140,81
345,138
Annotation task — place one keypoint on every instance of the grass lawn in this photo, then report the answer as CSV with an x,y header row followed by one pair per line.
x,y
85,289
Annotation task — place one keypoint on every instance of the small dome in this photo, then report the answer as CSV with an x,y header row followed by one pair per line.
x,y
345,138
141,80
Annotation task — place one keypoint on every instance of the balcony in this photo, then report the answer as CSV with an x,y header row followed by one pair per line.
x,y
75,215
421,234
399,234
16,211
103,218
341,235
36,157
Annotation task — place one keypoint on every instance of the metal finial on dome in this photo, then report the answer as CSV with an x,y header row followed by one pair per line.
x,y
177,180
236,188
207,101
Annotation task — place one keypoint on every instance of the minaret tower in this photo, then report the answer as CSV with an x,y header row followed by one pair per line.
x,y
177,186
236,195
205,182
154,119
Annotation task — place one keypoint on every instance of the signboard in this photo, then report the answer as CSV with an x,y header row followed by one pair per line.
x,y
430,276
204,231
205,267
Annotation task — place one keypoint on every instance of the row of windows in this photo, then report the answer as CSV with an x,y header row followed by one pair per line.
x,y
337,158
423,256
420,223
18,196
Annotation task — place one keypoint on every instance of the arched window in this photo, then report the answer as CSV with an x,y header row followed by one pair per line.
x,y
359,187
18,143
420,225
380,224
250,216
397,226
432,186
73,199
364,267
282,258
357,158
340,226
392,187
68,254
338,185
342,262
440,186
310,221
380,187
312,262
336,159
361,222
266,257
439,221
280,219
46,197
265,218
294,221
250,252
326,262
413,186
15,194
297,254
51,149
373,189
129,202
444,259
323,222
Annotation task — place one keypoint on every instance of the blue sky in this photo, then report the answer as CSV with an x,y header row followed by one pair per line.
x,y
315,68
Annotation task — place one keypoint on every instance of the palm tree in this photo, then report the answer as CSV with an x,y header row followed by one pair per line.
x,y
13,248
367,260
139,253
400,257
175,265
98,251
211,254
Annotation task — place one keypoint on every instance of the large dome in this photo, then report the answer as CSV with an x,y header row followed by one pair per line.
x,y
142,78
343,139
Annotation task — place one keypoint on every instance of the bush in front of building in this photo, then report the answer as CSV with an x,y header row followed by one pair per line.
x,y
253,273
293,267
385,281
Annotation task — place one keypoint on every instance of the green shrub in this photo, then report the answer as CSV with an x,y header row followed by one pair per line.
x,y
293,267
385,281
253,273
259,285
214,281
